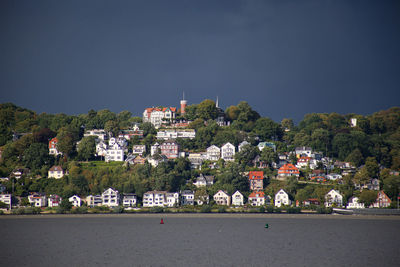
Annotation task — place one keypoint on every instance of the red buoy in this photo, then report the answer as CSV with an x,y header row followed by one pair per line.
x,y
162,221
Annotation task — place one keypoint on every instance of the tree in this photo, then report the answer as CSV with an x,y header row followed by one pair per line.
x,y
65,142
269,155
65,205
368,197
362,177
36,156
87,147
232,113
355,157
372,167
148,128
267,129
246,155
207,110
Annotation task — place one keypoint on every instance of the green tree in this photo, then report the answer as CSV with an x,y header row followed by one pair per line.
x,y
246,155
368,197
269,155
65,142
207,110
87,147
36,156
65,205
267,129
372,167
355,157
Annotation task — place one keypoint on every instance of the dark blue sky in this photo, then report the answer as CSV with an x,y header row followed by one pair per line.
x,y
286,58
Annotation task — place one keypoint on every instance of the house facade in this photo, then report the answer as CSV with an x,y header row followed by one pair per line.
x,y
204,180
154,199
156,115
172,199
54,201
138,149
228,152
213,153
257,198
6,199
222,198
170,149
129,200
382,201
354,203
288,170
53,147
333,197
75,201
56,172
37,200
282,198
256,180
187,197
237,199
94,201
110,198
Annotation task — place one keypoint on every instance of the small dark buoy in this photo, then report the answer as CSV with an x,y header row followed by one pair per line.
x,y
266,225
162,221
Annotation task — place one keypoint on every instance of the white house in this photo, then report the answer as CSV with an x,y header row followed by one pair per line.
x,y
354,203
172,199
242,144
56,172
110,198
333,176
228,152
154,199
6,198
156,115
99,133
333,197
222,198
204,180
53,147
282,198
101,148
114,153
257,198
200,199
303,151
138,149
129,200
213,153
37,200
176,133
187,197
54,201
75,200
93,201
237,199
155,149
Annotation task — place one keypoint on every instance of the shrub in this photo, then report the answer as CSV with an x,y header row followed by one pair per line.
x,y
261,209
277,210
293,210
118,209
270,209
156,210
221,210
323,210
205,209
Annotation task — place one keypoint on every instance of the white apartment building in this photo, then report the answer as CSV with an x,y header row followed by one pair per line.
x,y
228,152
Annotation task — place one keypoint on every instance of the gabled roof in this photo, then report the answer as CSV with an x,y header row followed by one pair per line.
x,y
255,194
55,169
288,168
256,175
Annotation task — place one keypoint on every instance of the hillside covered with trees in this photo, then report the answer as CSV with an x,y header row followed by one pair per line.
x,y
372,145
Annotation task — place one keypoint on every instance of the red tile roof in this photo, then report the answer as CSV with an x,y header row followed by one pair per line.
x,y
288,169
256,175
257,194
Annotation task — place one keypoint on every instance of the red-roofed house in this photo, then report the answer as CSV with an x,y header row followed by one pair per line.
x,y
156,115
256,180
257,198
288,170
382,201
53,147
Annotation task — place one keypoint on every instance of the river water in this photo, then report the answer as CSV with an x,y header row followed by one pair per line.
x,y
199,240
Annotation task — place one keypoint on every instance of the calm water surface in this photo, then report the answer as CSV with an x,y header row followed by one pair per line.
x,y
184,240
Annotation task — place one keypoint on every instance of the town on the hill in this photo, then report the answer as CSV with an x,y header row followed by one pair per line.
x,y
197,158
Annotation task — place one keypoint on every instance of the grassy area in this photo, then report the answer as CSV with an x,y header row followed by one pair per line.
x,y
97,164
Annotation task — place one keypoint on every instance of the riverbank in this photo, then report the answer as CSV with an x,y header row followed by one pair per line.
x,y
204,215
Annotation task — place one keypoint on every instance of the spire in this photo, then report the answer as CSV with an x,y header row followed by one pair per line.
x,y
216,103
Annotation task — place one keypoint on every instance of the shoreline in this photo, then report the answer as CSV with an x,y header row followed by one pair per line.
x,y
204,215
